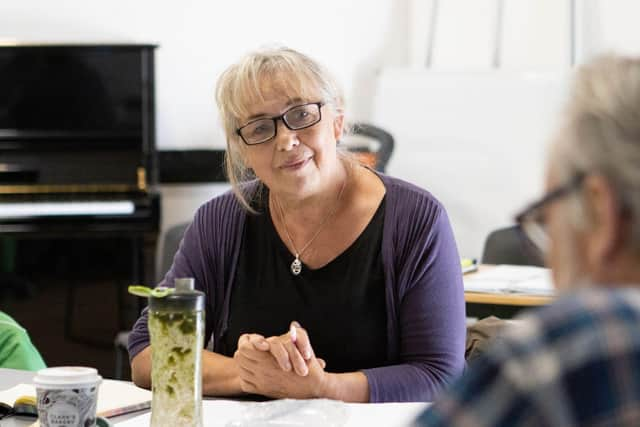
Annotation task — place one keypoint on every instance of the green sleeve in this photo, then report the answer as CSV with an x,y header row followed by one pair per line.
x,y
16,349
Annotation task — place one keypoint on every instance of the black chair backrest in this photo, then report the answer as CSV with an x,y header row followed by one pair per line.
x,y
384,140
510,246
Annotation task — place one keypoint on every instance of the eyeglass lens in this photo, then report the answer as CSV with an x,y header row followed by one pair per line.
x,y
536,231
297,118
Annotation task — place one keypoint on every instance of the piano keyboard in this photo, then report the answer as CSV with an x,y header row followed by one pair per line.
x,y
69,208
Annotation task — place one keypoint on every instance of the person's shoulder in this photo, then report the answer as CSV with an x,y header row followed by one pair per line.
x,y
398,185
588,308
226,204
587,316
5,318
405,195
8,326
564,347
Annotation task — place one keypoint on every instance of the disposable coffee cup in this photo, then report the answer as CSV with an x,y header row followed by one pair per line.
x,y
67,396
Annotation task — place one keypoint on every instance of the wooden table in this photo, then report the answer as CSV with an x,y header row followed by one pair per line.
x,y
507,299
480,304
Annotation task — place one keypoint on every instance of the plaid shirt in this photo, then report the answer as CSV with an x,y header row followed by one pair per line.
x,y
573,363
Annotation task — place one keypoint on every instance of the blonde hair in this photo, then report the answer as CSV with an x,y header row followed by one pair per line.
x,y
247,82
601,133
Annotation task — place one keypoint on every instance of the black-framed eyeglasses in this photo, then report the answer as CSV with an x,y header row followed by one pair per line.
x,y
532,219
297,117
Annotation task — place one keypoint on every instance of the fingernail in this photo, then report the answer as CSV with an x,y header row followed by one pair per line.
x,y
293,333
307,354
296,324
287,366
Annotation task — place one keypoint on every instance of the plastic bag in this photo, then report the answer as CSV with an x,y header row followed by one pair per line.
x,y
293,413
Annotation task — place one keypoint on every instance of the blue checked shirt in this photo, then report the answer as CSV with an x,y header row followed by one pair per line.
x,y
573,363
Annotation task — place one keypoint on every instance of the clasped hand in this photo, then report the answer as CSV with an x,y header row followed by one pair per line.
x,y
280,366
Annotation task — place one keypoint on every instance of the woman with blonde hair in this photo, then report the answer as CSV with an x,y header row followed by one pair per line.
x,y
323,278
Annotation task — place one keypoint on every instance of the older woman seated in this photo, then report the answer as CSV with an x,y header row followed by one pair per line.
x,y
323,277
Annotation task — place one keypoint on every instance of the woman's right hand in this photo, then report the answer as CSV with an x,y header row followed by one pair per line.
x,y
276,366
291,350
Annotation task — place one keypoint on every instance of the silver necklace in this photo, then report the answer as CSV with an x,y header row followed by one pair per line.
x,y
296,265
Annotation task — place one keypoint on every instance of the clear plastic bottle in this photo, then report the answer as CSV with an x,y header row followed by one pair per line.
x,y
176,326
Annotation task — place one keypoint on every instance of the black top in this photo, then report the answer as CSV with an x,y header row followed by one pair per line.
x,y
341,305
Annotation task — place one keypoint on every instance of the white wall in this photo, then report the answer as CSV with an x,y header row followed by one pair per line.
x,y
199,38
474,139
368,44
474,110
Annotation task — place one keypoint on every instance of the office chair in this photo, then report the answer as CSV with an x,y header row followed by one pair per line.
x,y
510,246
121,350
371,145
170,245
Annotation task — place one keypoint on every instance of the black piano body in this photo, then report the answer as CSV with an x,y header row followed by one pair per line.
x,y
77,145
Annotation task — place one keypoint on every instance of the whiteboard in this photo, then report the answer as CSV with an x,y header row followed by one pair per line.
x,y
476,140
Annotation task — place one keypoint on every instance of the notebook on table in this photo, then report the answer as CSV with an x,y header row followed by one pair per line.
x,y
114,397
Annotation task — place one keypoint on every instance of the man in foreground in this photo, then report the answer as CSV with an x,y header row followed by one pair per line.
x,y
577,361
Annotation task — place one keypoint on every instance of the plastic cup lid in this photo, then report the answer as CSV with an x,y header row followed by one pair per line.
x,y
65,376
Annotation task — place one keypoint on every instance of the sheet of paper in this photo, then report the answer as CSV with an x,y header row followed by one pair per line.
x,y
119,397
10,395
511,279
220,413
114,397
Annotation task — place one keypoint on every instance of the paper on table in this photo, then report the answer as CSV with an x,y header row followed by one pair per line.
x,y
10,395
114,397
219,413
511,279
119,397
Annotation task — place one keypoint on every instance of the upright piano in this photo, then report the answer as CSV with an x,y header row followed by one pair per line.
x,y
77,145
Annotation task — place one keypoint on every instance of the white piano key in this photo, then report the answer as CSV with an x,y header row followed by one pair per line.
x,y
42,209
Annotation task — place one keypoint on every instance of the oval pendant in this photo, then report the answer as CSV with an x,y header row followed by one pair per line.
x,y
296,267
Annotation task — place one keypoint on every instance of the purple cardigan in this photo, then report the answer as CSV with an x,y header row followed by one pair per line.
x,y
423,281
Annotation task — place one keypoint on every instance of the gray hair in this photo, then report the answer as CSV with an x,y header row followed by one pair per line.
x,y
601,133
245,83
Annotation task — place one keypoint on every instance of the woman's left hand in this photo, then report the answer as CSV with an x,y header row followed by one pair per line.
x,y
261,372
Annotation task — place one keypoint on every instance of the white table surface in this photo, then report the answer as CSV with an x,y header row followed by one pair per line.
x,y
219,413
366,414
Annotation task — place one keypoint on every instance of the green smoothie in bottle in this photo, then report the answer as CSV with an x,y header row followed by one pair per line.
x,y
176,326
